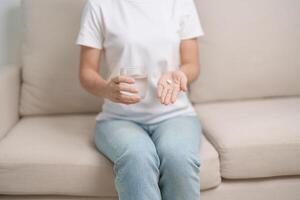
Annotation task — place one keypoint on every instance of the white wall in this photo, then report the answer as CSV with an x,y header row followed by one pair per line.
x,y
9,32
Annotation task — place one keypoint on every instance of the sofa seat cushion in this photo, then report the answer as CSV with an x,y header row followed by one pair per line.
x,y
56,155
254,138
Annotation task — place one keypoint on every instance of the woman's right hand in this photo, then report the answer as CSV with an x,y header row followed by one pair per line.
x,y
115,85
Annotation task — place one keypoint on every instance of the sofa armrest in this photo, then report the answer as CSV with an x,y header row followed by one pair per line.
x,y
10,79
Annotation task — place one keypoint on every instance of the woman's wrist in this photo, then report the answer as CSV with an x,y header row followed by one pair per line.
x,y
191,71
184,73
93,83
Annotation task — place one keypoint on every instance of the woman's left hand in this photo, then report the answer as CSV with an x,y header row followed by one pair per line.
x,y
167,92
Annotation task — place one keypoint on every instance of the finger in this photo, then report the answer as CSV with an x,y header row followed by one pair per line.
x,y
165,92
125,79
159,90
168,96
183,84
174,94
123,98
125,87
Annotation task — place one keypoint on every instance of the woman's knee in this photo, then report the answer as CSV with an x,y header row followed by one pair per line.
x,y
179,159
139,155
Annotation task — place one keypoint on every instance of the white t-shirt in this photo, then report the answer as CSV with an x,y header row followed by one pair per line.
x,y
141,32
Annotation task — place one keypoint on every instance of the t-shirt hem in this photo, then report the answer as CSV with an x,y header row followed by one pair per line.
x,y
190,36
87,42
105,116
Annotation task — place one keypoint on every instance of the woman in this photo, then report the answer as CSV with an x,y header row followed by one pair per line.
x,y
152,142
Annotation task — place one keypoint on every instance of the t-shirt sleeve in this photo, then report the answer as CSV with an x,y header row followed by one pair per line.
x,y
91,27
190,25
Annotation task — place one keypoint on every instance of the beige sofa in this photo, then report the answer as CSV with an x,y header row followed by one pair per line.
x,y
247,98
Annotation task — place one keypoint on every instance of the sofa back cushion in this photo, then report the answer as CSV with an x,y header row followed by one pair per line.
x,y
51,59
251,49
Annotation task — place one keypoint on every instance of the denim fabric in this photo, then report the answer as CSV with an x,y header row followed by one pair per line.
x,y
158,161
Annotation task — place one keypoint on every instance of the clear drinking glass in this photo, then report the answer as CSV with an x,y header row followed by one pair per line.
x,y
140,74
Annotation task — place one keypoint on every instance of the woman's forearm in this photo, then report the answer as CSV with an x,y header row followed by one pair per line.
x,y
191,70
92,82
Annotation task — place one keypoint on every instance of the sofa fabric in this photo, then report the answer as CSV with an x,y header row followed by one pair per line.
x,y
255,138
57,155
250,118
250,50
276,188
51,60
251,189
10,78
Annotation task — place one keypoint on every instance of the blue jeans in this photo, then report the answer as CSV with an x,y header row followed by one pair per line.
x,y
153,161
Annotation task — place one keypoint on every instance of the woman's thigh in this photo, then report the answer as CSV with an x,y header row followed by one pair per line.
x,y
177,135
115,136
177,141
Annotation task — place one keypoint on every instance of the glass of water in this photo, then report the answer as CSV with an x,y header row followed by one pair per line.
x,y
140,74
